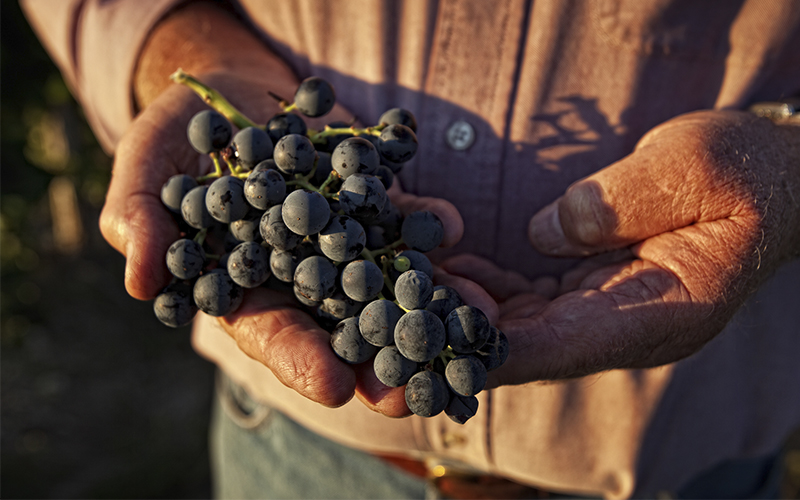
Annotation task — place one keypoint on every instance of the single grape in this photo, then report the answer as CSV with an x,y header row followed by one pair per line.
x,y
193,208
225,199
284,124
173,191
185,259
444,300
419,262
315,278
461,408
399,115
355,155
304,300
427,394
397,143
385,174
378,320
348,343
305,212
392,368
209,131
363,197
248,264
466,375
413,289
251,146
362,280
467,329
377,237
275,232
284,263
264,187
314,97
216,294
339,306
174,306
335,140
495,351
420,335
343,239
295,154
249,227
422,231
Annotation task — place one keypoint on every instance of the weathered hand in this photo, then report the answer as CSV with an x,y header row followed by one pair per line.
x,y
687,227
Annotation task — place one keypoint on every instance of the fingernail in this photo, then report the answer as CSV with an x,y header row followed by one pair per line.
x,y
545,231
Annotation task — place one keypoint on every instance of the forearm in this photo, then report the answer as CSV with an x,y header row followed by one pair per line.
x,y
204,38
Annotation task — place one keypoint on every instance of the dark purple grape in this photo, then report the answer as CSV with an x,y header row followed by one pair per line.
x,y
362,280
343,239
248,228
314,97
339,306
324,168
355,155
193,208
295,154
315,278
335,140
461,408
363,197
466,375
427,394
284,124
251,146
275,232
444,300
174,306
420,335
185,259
248,264
209,131
413,289
397,143
216,294
399,115
305,212
378,321
348,343
304,300
495,351
225,199
385,174
392,368
467,329
284,263
418,260
422,231
264,187
173,191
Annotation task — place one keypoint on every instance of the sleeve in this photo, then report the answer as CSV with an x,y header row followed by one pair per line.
x,y
96,44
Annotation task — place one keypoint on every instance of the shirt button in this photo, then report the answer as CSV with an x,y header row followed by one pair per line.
x,y
460,135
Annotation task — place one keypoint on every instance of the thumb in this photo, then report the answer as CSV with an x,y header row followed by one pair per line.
x,y
675,178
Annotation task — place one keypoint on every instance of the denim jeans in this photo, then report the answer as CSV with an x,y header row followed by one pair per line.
x,y
258,452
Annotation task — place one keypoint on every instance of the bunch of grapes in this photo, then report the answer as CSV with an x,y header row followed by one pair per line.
x,y
306,212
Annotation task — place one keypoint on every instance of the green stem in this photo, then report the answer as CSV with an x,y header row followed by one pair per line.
x,y
333,175
217,173
200,237
386,280
322,137
213,98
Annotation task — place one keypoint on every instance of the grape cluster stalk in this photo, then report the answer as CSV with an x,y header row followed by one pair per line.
x,y
306,212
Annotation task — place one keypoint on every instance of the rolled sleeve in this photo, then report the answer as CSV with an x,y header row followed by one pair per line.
x,y
96,45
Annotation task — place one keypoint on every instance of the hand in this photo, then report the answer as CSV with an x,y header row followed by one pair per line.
x,y
687,227
269,326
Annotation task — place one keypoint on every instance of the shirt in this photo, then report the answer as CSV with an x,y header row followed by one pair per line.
x,y
552,90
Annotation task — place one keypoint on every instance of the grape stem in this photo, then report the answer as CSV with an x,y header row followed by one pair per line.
x,y
217,173
322,136
214,99
200,237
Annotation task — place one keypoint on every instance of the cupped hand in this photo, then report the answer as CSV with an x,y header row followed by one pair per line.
x,y
682,231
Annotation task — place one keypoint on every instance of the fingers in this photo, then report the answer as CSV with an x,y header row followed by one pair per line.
x,y
678,177
389,401
446,211
270,329
501,284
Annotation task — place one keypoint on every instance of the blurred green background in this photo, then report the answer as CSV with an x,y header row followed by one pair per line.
x,y
99,400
